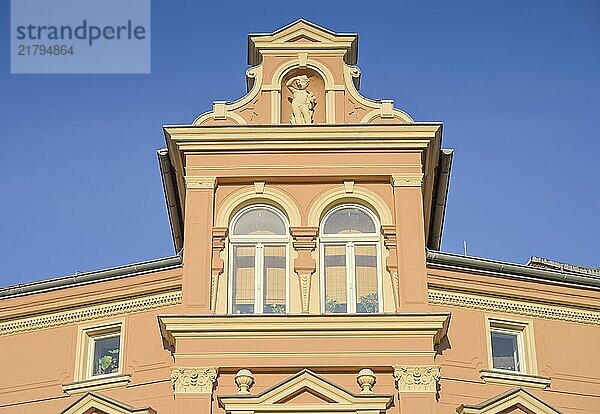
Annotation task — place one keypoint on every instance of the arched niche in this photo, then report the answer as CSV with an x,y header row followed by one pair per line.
x,y
316,86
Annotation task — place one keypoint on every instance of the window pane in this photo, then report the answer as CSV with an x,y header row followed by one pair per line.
x,y
243,279
106,355
336,295
367,300
349,220
259,221
505,354
274,274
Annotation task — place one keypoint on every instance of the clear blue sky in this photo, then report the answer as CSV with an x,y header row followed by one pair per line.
x,y
516,83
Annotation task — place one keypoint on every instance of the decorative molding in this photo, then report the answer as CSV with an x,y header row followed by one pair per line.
x,y
419,378
331,398
244,381
349,187
406,180
517,398
195,182
366,380
98,403
219,234
259,187
431,325
304,240
193,380
96,383
86,313
391,263
514,378
531,309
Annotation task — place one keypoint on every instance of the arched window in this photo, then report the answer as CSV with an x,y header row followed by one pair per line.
x,y
258,261
350,261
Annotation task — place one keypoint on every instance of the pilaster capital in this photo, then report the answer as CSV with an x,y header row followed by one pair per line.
x,y
193,380
198,182
406,180
417,378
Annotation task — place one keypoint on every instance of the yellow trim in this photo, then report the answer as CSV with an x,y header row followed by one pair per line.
x,y
338,195
438,296
432,325
85,313
514,378
335,398
96,383
96,403
86,334
525,340
501,405
247,196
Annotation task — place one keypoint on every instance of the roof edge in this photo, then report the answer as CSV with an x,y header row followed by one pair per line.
x,y
511,269
85,278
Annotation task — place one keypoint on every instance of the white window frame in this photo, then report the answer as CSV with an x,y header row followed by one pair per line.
x,y
92,351
520,353
259,242
350,241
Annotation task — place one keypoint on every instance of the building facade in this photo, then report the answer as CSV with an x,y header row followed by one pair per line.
x,y
309,280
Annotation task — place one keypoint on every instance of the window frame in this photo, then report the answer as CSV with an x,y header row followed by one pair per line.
x,y
259,242
350,241
525,343
87,341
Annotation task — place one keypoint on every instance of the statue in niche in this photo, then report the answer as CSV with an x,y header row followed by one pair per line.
x,y
303,101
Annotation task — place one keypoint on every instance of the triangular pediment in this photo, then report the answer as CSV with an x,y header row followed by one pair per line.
x,y
302,35
94,403
515,401
305,390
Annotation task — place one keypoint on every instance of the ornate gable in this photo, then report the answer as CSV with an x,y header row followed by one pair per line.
x,y
515,401
306,392
93,403
303,74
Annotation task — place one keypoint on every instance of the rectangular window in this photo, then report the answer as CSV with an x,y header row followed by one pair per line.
x,y
505,350
105,354
100,351
274,278
259,278
336,291
367,300
511,346
243,279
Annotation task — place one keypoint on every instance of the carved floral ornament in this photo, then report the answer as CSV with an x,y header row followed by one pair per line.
x,y
193,380
421,378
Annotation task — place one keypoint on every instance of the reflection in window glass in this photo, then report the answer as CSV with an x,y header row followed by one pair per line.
x,y
335,279
106,355
243,279
367,300
274,276
349,220
259,221
505,351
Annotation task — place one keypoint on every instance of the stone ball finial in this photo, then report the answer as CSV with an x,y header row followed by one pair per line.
x,y
244,381
366,380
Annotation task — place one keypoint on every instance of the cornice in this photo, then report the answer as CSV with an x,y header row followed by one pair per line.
x,y
531,309
85,313
432,325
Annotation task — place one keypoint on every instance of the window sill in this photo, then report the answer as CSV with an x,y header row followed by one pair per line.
x,y
514,378
97,383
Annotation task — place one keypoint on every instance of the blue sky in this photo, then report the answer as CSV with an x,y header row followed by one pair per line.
x,y
516,83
